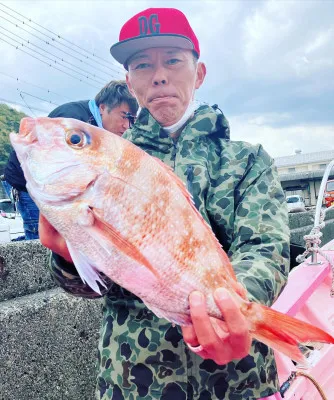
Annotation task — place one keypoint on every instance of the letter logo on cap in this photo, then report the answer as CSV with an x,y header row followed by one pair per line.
x,y
150,24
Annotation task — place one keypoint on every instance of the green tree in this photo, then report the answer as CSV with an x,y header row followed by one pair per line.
x,y
9,122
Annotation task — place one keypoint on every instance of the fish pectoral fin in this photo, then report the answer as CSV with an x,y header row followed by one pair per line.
x,y
85,269
108,232
181,319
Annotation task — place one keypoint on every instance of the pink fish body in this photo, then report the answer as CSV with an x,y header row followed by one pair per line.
x,y
126,214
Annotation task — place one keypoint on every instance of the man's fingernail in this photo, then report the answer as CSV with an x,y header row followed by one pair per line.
x,y
221,294
196,298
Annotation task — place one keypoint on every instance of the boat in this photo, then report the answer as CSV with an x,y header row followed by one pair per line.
x,y
309,296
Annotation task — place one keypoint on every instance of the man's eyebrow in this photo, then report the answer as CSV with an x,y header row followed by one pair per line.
x,y
141,56
137,57
174,51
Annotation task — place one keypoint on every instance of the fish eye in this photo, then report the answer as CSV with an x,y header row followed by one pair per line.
x,y
76,139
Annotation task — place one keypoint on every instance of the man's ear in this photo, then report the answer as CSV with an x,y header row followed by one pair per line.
x,y
102,107
129,84
200,74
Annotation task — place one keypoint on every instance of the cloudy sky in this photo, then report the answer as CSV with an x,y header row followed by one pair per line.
x,y
270,64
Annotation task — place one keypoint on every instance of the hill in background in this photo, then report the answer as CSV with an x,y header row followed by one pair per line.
x,y
9,122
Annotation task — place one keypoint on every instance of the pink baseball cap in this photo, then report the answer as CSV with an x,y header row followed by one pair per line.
x,y
154,27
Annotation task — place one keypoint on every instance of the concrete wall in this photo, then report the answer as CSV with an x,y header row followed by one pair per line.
x,y
48,339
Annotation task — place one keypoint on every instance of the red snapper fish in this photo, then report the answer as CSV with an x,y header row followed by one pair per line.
x,y
126,214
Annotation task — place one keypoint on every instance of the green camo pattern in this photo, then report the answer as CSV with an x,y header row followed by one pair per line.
x,y
236,188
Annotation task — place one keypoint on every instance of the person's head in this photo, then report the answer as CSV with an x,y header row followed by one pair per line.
x,y
115,103
160,52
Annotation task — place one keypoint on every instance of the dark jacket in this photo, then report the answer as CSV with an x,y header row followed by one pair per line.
x,y
76,109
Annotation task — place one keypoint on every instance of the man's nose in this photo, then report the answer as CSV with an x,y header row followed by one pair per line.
x,y
157,82
160,76
125,125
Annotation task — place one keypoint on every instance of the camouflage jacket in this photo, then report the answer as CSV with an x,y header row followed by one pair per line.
x,y
236,189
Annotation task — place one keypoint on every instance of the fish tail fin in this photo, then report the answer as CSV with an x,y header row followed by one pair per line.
x,y
282,332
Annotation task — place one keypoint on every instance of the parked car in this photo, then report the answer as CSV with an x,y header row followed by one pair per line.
x,y
295,203
7,208
329,193
11,223
4,230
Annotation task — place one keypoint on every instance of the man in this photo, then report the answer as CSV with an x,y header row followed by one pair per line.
x,y
112,109
235,187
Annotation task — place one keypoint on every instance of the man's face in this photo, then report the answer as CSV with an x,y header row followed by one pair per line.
x,y
115,120
163,79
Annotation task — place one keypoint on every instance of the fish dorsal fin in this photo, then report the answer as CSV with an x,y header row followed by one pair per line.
x,y
176,179
108,232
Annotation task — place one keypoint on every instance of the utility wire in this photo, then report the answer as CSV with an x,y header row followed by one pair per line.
x,y
53,55
60,37
50,65
53,60
22,105
36,97
56,47
27,104
19,80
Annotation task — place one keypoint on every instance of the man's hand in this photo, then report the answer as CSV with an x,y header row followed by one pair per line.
x,y
213,339
52,239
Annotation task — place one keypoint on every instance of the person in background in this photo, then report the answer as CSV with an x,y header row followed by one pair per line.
x,y
235,187
113,109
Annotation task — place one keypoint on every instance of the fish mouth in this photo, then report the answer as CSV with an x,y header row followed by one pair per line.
x,y
27,131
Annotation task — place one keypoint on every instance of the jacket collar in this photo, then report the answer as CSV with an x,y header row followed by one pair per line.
x,y
206,121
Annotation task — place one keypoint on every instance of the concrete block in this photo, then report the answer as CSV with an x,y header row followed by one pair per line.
x,y
301,219
328,232
48,347
302,223
23,269
297,235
